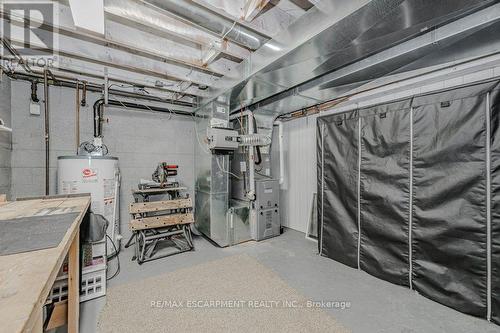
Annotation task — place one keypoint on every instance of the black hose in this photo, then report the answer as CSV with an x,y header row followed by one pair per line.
x,y
117,260
259,157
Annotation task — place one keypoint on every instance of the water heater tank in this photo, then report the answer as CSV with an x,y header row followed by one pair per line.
x,y
99,176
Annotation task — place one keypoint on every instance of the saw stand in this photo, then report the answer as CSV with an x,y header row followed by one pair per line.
x,y
155,223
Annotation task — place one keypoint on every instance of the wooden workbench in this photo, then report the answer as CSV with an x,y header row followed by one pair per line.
x,y
27,278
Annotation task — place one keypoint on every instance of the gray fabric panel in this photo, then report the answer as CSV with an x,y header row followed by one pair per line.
x,y
319,178
33,233
385,186
449,184
453,95
340,223
495,206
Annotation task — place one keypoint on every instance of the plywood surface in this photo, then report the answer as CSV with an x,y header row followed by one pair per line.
x,y
26,278
156,206
161,221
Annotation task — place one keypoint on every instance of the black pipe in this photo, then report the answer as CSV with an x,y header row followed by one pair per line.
x,y
96,88
101,118
147,107
34,97
97,117
84,94
99,111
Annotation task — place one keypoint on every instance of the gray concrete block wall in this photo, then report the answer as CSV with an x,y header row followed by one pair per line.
x,y
140,139
5,137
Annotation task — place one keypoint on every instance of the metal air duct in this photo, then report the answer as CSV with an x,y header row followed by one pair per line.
x,y
211,21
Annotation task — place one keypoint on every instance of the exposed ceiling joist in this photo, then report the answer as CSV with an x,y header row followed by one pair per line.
x,y
107,42
213,53
223,14
169,34
268,16
80,49
105,62
253,8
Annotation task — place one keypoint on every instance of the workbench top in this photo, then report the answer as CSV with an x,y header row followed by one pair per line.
x,y
27,278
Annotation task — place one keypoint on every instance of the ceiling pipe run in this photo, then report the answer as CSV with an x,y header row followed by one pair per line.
x,y
69,82
211,21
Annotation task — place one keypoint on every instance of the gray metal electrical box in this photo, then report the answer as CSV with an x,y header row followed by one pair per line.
x,y
222,139
267,208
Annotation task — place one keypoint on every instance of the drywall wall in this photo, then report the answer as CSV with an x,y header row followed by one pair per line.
x,y
299,139
140,139
5,137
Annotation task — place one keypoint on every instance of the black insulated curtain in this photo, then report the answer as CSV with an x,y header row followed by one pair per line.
x,y
385,192
449,186
495,204
410,192
339,147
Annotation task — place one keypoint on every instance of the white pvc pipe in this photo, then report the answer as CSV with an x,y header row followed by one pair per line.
x,y
281,152
251,160
106,86
115,234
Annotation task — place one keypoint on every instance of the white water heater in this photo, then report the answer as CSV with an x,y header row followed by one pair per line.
x,y
99,176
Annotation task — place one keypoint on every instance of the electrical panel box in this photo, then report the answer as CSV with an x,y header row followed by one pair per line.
x,y
222,139
267,209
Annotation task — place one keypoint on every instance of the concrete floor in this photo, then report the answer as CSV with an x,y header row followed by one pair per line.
x,y
376,305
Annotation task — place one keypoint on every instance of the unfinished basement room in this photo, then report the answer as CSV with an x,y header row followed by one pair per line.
x,y
250,166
